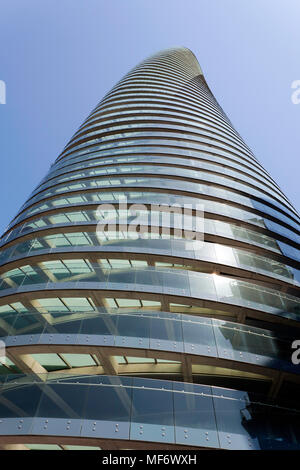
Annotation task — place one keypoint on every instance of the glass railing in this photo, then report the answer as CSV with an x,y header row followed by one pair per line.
x,y
145,410
132,243
173,114
83,275
119,171
212,227
220,162
160,124
152,330
86,215
159,140
218,156
153,182
188,173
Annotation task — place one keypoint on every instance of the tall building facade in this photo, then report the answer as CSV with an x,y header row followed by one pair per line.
x,y
127,324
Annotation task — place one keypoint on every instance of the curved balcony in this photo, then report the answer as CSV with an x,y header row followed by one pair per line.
x,y
195,343
135,413
178,285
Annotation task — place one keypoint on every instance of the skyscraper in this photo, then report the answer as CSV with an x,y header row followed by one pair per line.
x,y
128,324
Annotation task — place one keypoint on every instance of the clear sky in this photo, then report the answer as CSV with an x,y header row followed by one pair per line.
x,y
59,57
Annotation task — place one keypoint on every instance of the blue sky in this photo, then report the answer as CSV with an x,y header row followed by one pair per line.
x,y
59,57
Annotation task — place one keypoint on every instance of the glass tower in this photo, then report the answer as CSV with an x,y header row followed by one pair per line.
x,y
128,324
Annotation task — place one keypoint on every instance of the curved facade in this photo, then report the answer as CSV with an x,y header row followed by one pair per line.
x,y
130,325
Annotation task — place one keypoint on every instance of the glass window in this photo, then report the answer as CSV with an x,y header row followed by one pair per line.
x,y
50,361
152,407
79,360
108,403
